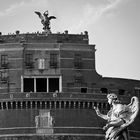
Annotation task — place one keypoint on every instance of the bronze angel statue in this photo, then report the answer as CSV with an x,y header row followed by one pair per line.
x,y
119,117
45,20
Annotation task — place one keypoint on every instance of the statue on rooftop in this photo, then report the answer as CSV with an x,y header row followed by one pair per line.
x,y
45,20
119,117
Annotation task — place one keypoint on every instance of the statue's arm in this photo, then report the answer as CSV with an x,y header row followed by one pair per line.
x,y
105,117
118,122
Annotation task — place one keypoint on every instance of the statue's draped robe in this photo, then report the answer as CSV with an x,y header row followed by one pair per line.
x,y
120,113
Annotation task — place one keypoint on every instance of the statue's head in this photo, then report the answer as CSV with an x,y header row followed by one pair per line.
x,y
112,98
46,13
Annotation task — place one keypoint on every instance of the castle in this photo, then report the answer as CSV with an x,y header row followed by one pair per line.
x,y
49,86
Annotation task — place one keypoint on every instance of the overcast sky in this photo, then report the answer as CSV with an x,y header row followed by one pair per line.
x,y
113,25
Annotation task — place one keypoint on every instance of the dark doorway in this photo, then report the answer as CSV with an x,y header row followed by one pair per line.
x,y
53,84
41,85
28,84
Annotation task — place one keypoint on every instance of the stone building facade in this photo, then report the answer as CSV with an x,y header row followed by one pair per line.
x,y
49,85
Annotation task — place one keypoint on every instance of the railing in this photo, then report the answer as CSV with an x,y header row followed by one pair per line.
x,y
51,104
99,97
53,96
53,100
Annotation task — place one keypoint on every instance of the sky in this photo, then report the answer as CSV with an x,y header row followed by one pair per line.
x,y
113,26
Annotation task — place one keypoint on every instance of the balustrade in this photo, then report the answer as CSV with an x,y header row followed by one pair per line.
x,y
6,105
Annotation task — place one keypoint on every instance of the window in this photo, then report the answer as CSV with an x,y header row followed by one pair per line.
x,y
83,90
4,61
53,84
41,64
28,84
29,60
78,77
41,85
77,61
53,60
4,76
104,90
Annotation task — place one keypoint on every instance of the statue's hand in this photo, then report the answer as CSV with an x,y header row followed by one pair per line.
x,y
105,128
96,108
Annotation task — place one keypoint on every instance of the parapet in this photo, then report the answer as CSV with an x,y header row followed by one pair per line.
x,y
45,38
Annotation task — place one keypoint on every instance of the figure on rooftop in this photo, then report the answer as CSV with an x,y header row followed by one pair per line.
x,y
119,117
45,20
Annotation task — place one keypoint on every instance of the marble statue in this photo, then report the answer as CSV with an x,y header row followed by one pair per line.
x,y
119,117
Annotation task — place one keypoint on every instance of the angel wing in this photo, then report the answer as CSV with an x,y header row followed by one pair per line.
x,y
133,108
131,112
40,15
52,17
